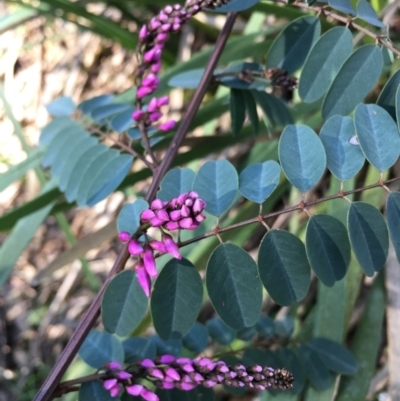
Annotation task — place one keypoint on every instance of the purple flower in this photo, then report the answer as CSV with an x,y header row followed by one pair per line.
x,y
200,217
171,225
114,365
156,222
134,389
172,373
147,215
138,115
156,67
110,383
167,359
171,246
153,117
186,223
114,391
148,395
150,262
175,215
162,215
144,280
144,91
124,375
157,204
147,363
187,386
143,33
162,101
167,386
167,126
152,105
124,236
185,211
182,198
156,373
135,248
158,246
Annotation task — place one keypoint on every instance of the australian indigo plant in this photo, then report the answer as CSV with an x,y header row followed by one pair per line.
x,y
181,204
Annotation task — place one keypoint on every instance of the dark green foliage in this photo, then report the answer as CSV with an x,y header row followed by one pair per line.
x,y
138,348
176,299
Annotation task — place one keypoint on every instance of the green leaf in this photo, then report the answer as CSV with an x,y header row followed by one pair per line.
x,y
129,217
90,104
366,345
188,79
393,220
124,304
323,63
291,47
387,98
70,132
344,159
17,171
368,236
259,180
176,182
237,107
316,371
236,5
108,178
100,348
275,111
251,108
51,130
19,238
196,339
355,79
246,334
122,121
302,156
77,151
92,174
263,357
172,347
283,267
220,332
138,348
104,112
366,12
94,391
292,363
176,299
265,326
345,6
217,183
334,356
81,166
378,135
62,106
233,286
328,248
284,327
74,141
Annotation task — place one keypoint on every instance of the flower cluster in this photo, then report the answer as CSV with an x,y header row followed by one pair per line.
x,y
168,372
183,212
152,39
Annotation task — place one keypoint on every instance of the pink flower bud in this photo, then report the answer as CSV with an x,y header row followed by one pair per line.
x,y
167,126
110,383
171,225
172,373
166,359
124,236
124,375
156,67
161,37
114,391
147,363
157,373
186,223
187,386
189,202
158,246
188,368
152,105
182,198
171,246
162,16
200,217
185,211
175,215
154,25
151,81
134,389
162,101
157,204
168,9
143,33
193,195
144,91
144,280
148,395
135,248
182,360
155,116
166,27
149,262
162,215
167,386
198,205
176,27
193,226
147,215
114,365
156,222
138,115
152,56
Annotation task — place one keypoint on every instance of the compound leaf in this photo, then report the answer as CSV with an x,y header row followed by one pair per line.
x,y
283,267
176,299
233,286
176,182
368,236
124,304
302,156
129,217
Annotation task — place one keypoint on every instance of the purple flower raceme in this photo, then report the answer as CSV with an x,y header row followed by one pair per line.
x,y
168,372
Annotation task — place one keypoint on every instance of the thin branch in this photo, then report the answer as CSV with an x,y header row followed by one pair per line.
x,y
301,206
89,319
347,21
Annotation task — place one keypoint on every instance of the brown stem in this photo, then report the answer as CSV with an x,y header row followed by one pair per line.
x,y
89,319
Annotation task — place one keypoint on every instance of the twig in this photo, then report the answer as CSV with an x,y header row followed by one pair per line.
x,y
89,319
